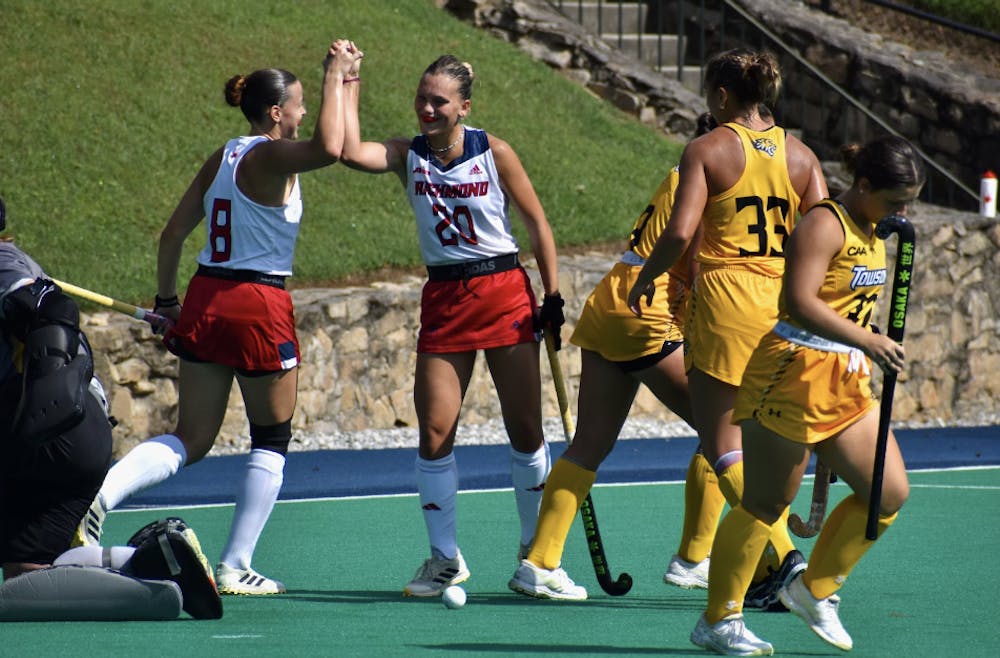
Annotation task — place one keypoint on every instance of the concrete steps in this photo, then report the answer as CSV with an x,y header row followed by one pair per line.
x,y
623,25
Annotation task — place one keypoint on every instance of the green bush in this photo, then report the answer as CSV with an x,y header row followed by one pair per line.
x,y
983,14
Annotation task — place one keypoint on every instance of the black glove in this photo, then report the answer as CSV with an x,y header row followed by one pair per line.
x,y
551,318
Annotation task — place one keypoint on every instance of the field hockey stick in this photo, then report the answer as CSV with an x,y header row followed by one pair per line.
x,y
901,280
817,509
157,321
595,544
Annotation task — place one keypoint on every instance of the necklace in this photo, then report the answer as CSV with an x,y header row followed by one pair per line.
x,y
442,151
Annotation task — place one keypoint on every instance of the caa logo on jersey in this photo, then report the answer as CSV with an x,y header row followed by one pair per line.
x,y
475,169
421,170
765,145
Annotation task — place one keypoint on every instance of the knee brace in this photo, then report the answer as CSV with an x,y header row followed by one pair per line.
x,y
271,437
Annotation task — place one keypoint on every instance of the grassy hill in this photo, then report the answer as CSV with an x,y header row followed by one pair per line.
x,y
112,105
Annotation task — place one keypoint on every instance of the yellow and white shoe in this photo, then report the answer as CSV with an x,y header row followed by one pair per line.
x,y
88,533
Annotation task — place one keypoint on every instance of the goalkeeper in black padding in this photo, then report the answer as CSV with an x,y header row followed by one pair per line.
x,y
55,449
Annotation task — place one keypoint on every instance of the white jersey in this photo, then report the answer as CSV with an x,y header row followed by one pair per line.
x,y
243,234
461,210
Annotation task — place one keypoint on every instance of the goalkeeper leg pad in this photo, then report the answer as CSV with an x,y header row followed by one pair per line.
x,y
77,593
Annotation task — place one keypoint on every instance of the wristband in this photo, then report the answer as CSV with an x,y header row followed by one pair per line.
x,y
167,302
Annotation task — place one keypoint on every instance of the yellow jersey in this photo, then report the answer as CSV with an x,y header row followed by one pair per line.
x,y
856,275
747,225
607,325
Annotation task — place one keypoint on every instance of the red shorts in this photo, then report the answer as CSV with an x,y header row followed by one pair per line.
x,y
495,310
248,326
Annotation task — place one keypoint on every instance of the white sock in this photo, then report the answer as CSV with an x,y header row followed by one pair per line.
x,y
112,557
149,463
437,483
528,472
261,484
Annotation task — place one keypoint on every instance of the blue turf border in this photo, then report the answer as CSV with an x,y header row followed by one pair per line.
x,y
338,473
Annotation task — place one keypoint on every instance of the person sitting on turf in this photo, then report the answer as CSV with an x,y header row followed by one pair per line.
x,y
55,434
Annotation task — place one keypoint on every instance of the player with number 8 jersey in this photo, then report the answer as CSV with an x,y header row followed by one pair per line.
x,y
460,181
237,321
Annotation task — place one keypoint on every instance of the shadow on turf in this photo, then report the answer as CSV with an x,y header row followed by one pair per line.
x,y
504,599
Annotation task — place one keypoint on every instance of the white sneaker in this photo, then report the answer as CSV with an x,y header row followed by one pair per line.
x,y
730,637
246,582
435,574
688,575
820,614
544,584
88,532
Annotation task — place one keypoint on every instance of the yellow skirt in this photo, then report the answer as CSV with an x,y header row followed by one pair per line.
x,y
803,394
608,327
729,311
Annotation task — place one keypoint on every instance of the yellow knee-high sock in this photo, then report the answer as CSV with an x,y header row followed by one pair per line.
x,y
840,546
703,503
565,490
731,484
737,548
779,545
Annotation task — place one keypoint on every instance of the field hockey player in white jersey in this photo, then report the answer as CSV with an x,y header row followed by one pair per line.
x,y
237,319
459,181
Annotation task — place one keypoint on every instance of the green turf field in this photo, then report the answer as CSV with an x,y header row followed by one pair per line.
x,y
928,589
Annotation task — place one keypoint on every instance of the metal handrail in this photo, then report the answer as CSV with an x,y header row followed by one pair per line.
x,y
746,19
849,98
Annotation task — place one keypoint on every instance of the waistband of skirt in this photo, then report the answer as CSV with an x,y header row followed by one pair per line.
x,y
247,276
808,339
472,268
632,258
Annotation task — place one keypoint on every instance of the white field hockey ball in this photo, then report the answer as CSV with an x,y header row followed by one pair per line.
x,y
453,597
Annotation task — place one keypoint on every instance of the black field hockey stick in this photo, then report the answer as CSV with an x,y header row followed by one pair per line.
x,y
157,321
595,544
901,281
817,509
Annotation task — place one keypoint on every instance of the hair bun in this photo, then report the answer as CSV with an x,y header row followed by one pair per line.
x,y
234,90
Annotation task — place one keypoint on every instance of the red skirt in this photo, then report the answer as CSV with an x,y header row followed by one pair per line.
x,y
248,326
482,312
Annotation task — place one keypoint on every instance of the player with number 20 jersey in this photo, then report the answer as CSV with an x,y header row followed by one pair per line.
x,y
478,297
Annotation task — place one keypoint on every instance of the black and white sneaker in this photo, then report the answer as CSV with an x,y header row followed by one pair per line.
x,y
246,582
435,574
764,595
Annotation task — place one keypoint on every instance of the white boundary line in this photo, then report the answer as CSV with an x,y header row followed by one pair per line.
x,y
609,484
